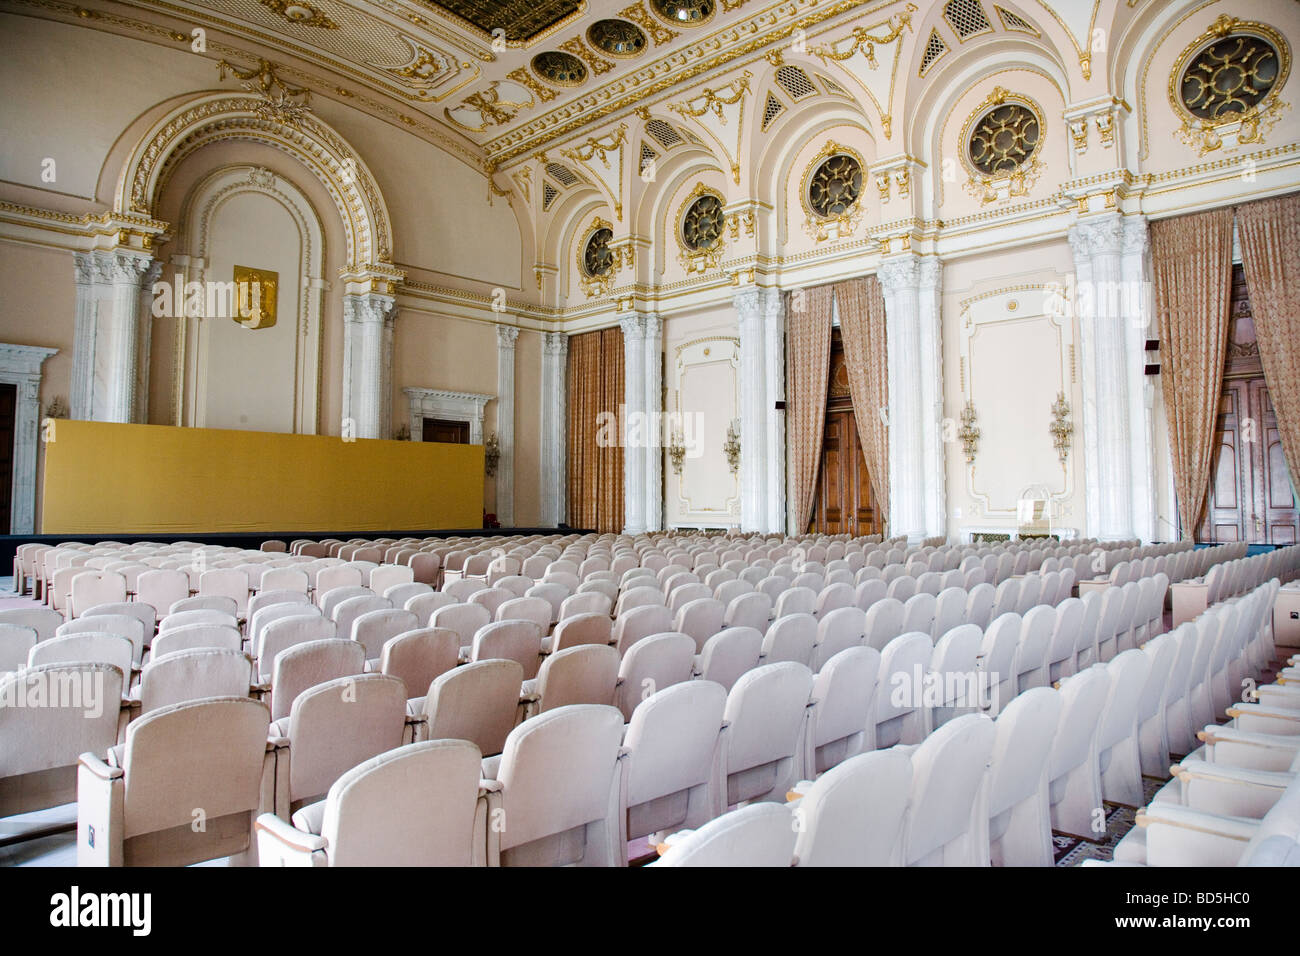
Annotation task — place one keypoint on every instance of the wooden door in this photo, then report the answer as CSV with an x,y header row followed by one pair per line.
x,y
8,406
845,503
438,430
1226,504
1276,519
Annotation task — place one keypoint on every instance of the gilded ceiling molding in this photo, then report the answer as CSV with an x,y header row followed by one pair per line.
x,y
490,108
711,101
597,64
521,76
600,148
864,42
639,15
214,117
300,13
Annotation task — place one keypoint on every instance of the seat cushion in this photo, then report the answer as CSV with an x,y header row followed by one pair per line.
x,y
491,767
310,818
1133,848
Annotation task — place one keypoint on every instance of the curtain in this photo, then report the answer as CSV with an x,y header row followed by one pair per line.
x,y
595,447
862,326
1269,231
1191,259
807,363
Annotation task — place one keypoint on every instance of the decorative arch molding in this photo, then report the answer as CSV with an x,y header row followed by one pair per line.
x,y
213,117
189,370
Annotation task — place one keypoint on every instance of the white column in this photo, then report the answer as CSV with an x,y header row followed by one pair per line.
x,y
505,478
930,322
1097,245
91,271
774,383
1139,314
144,349
900,279
753,420
554,485
128,273
634,451
654,402
367,363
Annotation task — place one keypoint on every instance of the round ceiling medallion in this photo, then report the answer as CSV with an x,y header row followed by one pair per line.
x,y
1004,139
597,259
834,187
617,38
562,69
703,222
1229,76
684,13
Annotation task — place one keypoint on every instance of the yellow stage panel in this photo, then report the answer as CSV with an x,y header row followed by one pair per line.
x,y
108,478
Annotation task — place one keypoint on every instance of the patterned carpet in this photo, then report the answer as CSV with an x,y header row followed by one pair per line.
x,y
1071,851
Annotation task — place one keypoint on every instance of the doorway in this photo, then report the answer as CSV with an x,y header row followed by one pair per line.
x,y
442,430
8,410
1251,497
845,502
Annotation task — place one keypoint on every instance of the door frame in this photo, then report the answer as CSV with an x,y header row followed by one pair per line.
x,y
20,365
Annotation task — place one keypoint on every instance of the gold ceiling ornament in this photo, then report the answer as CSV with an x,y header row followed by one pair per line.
x,y
492,110
710,100
300,12
595,259
521,76
427,67
599,147
1226,83
523,178
280,103
706,227
864,41
1008,131
743,218
579,49
1061,428
639,15
845,212
729,5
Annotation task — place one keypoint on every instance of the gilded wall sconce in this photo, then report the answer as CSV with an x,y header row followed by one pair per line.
x,y
677,452
1061,428
969,433
731,448
491,455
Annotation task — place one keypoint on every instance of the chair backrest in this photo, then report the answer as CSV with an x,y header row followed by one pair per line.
x,y
44,621
418,656
790,638
268,598
96,587
729,654
949,611
592,602
1128,673
198,616
884,622
189,675
126,625
640,622
304,665
835,832
76,712
585,674
701,619
464,619
1082,698
475,702
284,579
766,711
948,773
838,630
979,605
751,609
845,691
536,610
672,742
514,640
376,814
423,605
578,744
658,661
590,628
16,643
195,636
1026,729
336,725
759,835
373,628
205,602
918,613
902,660
226,582
83,647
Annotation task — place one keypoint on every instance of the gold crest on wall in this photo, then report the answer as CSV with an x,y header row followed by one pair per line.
x,y
256,291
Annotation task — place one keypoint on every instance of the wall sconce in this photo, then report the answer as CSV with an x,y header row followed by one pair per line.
x,y
731,448
491,455
677,452
969,433
1061,428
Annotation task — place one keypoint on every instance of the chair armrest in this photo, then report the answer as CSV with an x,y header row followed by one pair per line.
x,y
100,768
1200,769
490,786
289,835
1182,836
1227,734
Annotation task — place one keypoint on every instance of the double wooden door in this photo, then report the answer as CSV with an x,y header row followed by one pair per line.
x,y
1250,497
845,503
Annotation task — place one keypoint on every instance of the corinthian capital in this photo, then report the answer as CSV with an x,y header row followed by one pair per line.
x,y
897,274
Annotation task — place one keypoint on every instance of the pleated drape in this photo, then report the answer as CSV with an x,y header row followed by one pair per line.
x,y
1269,231
595,448
1191,259
862,327
807,364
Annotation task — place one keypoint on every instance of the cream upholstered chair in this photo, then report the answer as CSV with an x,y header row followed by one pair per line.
x,y
1020,824
701,619
673,760
424,605
838,630
16,642
285,579
306,664
869,590
374,628
640,622
336,576
40,746
1073,776
659,661
492,598
552,593
790,638
280,633
85,646
387,575
949,611
123,625
330,600
510,640
795,601
997,660
146,613
267,598
729,654
172,621
477,702
534,609
834,828
947,820
766,713
192,674
1118,754
758,835
208,760
42,620
418,656
900,711
979,605
419,805
399,594
196,636
1153,738
95,587
955,672
832,597
586,674
226,582
464,619
331,728
203,602
844,722
590,628
884,622
752,609
558,783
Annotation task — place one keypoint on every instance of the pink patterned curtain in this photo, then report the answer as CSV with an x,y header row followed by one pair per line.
x,y
862,325
1191,259
808,365
1269,231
